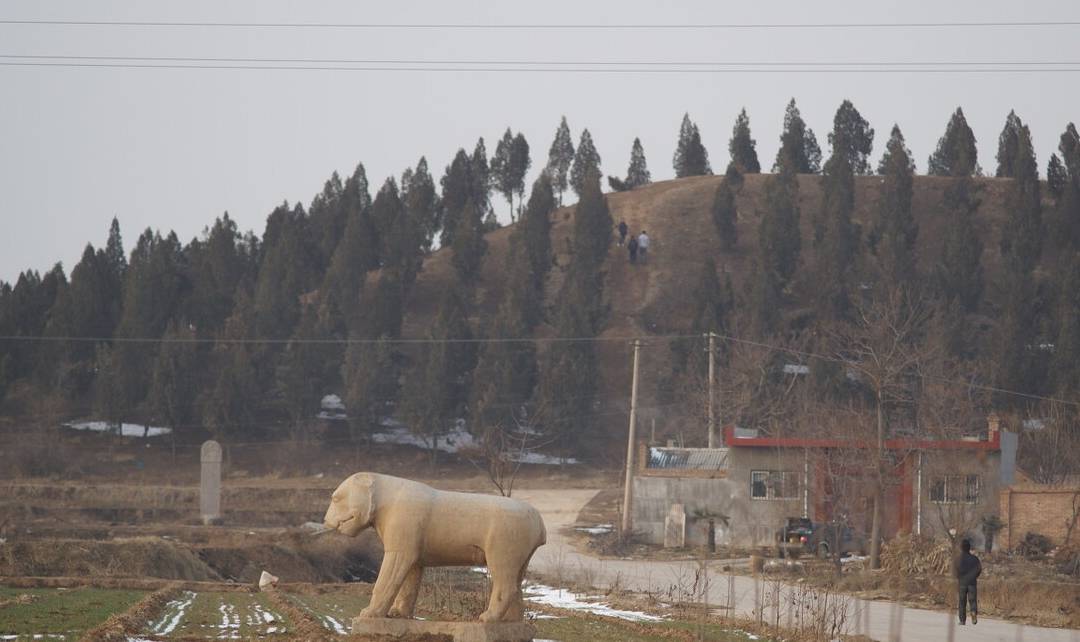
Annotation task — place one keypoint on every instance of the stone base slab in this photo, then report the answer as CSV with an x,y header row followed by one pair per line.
x,y
459,631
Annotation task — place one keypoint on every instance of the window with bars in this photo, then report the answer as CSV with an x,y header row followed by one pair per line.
x,y
954,489
774,484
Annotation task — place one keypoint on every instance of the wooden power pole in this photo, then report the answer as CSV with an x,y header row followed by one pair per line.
x,y
628,492
712,394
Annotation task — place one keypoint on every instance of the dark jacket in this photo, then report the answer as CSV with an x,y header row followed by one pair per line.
x,y
967,568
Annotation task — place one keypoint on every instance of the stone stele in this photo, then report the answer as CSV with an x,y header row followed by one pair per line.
x,y
420,526
210,482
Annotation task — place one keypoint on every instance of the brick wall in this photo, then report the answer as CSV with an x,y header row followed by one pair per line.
x,y
1037,509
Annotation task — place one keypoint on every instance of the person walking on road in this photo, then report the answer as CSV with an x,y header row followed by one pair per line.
x,y
643,246
967,569
632,248
623,229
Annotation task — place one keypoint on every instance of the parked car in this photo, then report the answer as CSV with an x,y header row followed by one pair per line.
x,y
801,536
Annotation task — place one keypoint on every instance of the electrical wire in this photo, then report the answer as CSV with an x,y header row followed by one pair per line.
x,y
401,341
548,70
703,26
597,63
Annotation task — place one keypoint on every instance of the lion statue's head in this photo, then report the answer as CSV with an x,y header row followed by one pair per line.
x,y
352,505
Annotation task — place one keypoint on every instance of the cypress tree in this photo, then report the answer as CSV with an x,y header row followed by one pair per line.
x,y
154,288
469,245
326,221
1066,356
457,188
838,237
301,372
852,138
536,238
229,403
592,231
481,174
1008,146
174,385
509,166
779,236
742,147
691,157
400,232
519,165
92,309
586,162
1021,238
216,268
763,300
421,203
384,307
110,398
285,273
637,174
370,377
114,254
959,267
1056,177
506,370
560,156
956,154
1016,337
501,169
798,146
568,380
894,235
1069,146
437,392
724,215
358,250
713,303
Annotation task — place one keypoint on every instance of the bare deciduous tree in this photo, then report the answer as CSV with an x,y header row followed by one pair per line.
x,y
883,349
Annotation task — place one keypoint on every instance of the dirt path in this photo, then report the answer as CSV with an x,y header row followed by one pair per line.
x,y
879,619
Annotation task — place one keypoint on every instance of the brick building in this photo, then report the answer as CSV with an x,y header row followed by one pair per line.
x,y
749,487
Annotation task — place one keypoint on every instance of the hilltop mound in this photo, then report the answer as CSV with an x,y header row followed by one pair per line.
x,y
654,299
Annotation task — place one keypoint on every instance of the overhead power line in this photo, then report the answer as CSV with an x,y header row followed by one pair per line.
x,y
704,26
517,68
549,63
400,341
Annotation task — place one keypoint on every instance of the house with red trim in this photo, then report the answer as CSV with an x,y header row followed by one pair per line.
x,y
748,488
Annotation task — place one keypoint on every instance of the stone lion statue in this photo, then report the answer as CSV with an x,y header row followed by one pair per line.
x,y
420,526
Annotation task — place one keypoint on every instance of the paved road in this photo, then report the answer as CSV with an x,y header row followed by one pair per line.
x,y
885,621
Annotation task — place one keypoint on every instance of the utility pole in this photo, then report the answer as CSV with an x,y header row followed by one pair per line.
x,y
628,493
712,395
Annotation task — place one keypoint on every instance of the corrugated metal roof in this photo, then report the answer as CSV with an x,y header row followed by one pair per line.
x,y
688,458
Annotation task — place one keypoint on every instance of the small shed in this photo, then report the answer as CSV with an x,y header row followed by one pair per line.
x,y
696,478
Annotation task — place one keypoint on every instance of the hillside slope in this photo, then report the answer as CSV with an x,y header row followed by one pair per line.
x,y
654,299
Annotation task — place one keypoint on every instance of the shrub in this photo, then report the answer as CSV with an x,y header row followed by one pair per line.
x,y
1035,545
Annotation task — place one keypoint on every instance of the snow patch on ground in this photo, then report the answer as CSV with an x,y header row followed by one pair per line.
x,y
563,599
335,625
599,529
174,612
127,430
456,440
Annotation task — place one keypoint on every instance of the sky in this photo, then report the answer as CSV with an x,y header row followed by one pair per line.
x,y
172,149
